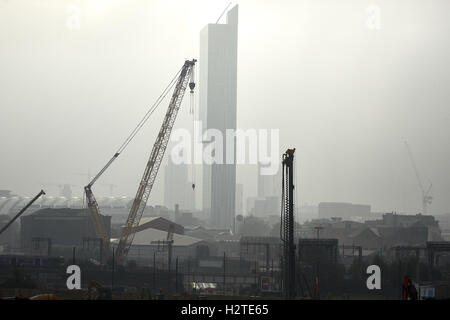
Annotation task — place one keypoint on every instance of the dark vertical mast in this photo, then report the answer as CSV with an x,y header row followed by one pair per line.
x,y
287,225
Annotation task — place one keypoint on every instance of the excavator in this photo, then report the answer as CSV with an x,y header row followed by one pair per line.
x,y
183,79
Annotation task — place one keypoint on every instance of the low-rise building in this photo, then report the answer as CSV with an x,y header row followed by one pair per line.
x,y
62,227
149,244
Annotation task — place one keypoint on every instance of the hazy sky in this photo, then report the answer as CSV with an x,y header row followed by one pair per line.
x,y
345,95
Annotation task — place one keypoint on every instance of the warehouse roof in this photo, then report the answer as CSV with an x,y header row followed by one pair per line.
x,y
159,223
149,219
145,237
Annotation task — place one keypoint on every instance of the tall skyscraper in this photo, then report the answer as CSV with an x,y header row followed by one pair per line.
x,y
268,198
269,185
177,188
217,90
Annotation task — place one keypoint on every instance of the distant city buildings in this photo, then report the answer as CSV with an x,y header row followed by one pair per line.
x,y
63,223
343,210
217,90
444,224
177,187
391,230
265,207
268,185
307,212
268,200
239,199
394,220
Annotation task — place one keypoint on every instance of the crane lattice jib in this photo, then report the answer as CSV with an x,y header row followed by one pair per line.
x,y
97,220
154,162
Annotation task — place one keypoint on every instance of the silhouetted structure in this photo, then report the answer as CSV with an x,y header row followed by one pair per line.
x,y
218,79
287,224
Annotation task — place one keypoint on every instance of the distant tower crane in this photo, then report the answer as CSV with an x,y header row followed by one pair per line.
x,y
287,224
426,194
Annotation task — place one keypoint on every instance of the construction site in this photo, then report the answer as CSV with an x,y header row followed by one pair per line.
x,y
137,248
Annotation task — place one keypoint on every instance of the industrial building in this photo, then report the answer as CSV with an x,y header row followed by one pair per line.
x,y
151,243
313,250
394,220
58,227
212,234
10,238
218,87
116,207
159,223
187,219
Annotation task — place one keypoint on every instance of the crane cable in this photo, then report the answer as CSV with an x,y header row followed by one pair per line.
x,y
192,112
149,113
138,127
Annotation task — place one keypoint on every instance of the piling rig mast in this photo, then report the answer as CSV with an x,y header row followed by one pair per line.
x,y
287,225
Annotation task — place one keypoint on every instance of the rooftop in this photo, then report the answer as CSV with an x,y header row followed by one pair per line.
x,y
145,237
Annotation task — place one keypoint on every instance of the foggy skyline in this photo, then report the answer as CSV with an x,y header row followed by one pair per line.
x,y
346,96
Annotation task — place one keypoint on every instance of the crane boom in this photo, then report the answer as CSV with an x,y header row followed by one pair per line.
x,y
94,210
22,211
97,221
154,162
